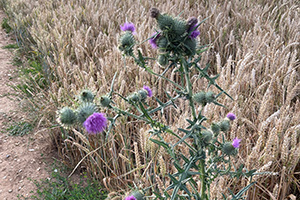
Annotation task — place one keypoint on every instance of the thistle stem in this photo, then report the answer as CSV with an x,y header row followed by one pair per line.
x,y
203,179
189,88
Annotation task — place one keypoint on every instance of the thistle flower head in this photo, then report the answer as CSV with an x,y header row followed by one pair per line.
x,y
153,40
130,198
128,27
149,91
236,142
193,31
231,116
194,34
95,123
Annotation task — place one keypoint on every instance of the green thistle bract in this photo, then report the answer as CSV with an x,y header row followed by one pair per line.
x,y
165,22
142,95
228,149
190,46
162,43
163,60
180,27
66,117
210,96
200,98
215,128
207,136
105,101
224,125
133,97
139,195
126,42
85,110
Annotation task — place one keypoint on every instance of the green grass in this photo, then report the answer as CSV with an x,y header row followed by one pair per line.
x,y
11,46
20,128
6,26
59,187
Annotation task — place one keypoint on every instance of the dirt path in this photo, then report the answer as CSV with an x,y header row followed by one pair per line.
x,y
24,157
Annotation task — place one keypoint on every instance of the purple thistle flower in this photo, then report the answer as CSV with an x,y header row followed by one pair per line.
x,y
236,143
130,198
128,27
95,123
194,32
153,40
231,116
149,91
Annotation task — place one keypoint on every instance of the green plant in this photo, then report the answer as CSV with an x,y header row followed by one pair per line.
x,y
20,128
210,155
60,187
5,25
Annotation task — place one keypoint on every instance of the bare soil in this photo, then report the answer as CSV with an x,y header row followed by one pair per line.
x,y
21,157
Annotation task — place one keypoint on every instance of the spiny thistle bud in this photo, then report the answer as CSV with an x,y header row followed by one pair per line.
x,y
207,136
127,41
162,60
228,149
66,117
210,96
154,12
142,95
105,101
162,43
224,125
190,46
133,97
86,96
138,195
165,22
215,128
85,110
200,98
179,27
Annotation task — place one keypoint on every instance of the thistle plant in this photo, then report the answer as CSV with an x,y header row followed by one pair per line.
x,y
210,154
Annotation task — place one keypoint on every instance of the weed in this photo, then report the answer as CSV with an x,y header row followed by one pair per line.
x,y
20,128
60,187
6,26
11,46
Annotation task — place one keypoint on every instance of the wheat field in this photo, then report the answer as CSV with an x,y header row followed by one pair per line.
x,y
254,47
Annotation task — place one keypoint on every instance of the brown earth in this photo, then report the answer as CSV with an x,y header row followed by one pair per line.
x,y
21,157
